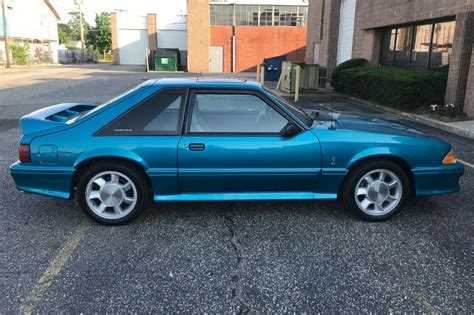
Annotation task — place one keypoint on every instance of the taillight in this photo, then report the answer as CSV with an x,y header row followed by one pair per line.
x,y
24,153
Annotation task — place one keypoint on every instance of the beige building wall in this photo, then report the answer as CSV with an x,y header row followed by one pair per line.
x,y
151,27
115,46
198,35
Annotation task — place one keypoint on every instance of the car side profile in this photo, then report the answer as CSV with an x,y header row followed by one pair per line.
x,y
223,139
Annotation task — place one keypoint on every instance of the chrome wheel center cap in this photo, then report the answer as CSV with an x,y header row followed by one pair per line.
x,y
111,195
378,192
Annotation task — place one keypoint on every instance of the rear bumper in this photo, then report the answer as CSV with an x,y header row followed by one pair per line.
x,y
438,180
43,180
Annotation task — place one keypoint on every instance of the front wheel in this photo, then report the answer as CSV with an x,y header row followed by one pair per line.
x,y
376,190
112,193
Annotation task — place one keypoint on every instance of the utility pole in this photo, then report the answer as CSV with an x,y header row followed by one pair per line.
x,y
81,24
5,37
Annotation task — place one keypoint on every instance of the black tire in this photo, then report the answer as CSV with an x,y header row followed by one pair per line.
x,y
133,173
347,192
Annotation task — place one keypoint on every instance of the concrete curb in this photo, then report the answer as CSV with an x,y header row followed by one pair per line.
x,y
426,120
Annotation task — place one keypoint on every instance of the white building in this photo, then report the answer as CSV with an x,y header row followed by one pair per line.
x,y
35,22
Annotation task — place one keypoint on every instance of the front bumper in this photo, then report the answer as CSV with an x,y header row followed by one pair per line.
x,y
43,180
438,180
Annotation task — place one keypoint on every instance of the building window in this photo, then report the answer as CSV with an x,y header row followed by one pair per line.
x,y
258,15
221,14
289,16
266,15
246,15
442,45
421,46
403,46
420,51
388,47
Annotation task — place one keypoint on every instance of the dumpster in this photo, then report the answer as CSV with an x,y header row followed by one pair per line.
x,y
166,60
273,67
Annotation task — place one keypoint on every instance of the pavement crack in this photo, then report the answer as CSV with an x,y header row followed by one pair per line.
x,y
239,269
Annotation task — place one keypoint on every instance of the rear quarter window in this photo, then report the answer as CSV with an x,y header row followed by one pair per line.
x,y
160,114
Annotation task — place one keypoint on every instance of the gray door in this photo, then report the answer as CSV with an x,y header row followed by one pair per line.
x,y
217,59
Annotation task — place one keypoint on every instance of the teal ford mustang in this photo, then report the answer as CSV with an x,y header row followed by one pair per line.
x,y
223,139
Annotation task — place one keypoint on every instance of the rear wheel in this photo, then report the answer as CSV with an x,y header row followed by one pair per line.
x,y
376,190
112,193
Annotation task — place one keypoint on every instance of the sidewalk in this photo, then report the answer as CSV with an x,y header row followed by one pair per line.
x,y
462,128
346,104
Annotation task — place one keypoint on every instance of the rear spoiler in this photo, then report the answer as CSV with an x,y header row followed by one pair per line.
x,y
52,116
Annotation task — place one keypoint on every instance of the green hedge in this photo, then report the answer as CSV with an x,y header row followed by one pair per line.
x,y
356,62
402,88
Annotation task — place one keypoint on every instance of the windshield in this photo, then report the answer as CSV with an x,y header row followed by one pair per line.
x,y
292,108
88,112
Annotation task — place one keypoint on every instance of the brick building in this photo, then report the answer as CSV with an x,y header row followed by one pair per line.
x,y
220,36
242,35
419,34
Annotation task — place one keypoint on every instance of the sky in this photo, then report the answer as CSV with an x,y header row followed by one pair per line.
x,y
133,7
90,7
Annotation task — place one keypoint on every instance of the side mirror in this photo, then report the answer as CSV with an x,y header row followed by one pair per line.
x,y
290,130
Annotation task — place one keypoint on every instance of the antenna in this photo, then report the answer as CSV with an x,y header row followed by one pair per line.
x,y
332,125
198,75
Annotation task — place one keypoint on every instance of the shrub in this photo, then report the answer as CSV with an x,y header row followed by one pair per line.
x,y
20,53
357,62
402,88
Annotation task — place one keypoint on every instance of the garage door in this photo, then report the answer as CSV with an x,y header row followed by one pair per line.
x,y
133,44
173,39
346,30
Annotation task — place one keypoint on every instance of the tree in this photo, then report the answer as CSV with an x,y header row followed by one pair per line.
x,y
100,37
74,26
63,33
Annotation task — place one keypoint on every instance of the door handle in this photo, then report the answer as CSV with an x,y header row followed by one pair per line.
x,y
196,146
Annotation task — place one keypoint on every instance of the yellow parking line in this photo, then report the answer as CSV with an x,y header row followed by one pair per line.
x,y
54,269
466,163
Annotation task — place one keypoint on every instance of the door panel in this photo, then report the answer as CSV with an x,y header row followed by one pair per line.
x,y
217,59
248,163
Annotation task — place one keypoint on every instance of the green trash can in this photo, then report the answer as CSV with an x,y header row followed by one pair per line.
x,y
165,63
166,59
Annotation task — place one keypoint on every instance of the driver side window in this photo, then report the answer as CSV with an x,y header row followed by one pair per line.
x,y
234,113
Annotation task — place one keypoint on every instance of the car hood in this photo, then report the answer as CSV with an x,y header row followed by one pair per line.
x,y
368,124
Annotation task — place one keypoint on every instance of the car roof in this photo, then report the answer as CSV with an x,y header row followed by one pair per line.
x,y
207,82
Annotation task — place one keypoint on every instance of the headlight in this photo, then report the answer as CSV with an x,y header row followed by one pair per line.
x,y
449,158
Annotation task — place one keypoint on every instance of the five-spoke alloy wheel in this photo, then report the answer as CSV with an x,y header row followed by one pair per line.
x,y
375,189
112,193
378,192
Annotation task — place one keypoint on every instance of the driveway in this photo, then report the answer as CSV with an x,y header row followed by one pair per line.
x,y
268,256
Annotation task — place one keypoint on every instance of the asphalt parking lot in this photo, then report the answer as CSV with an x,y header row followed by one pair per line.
x,y
269,256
